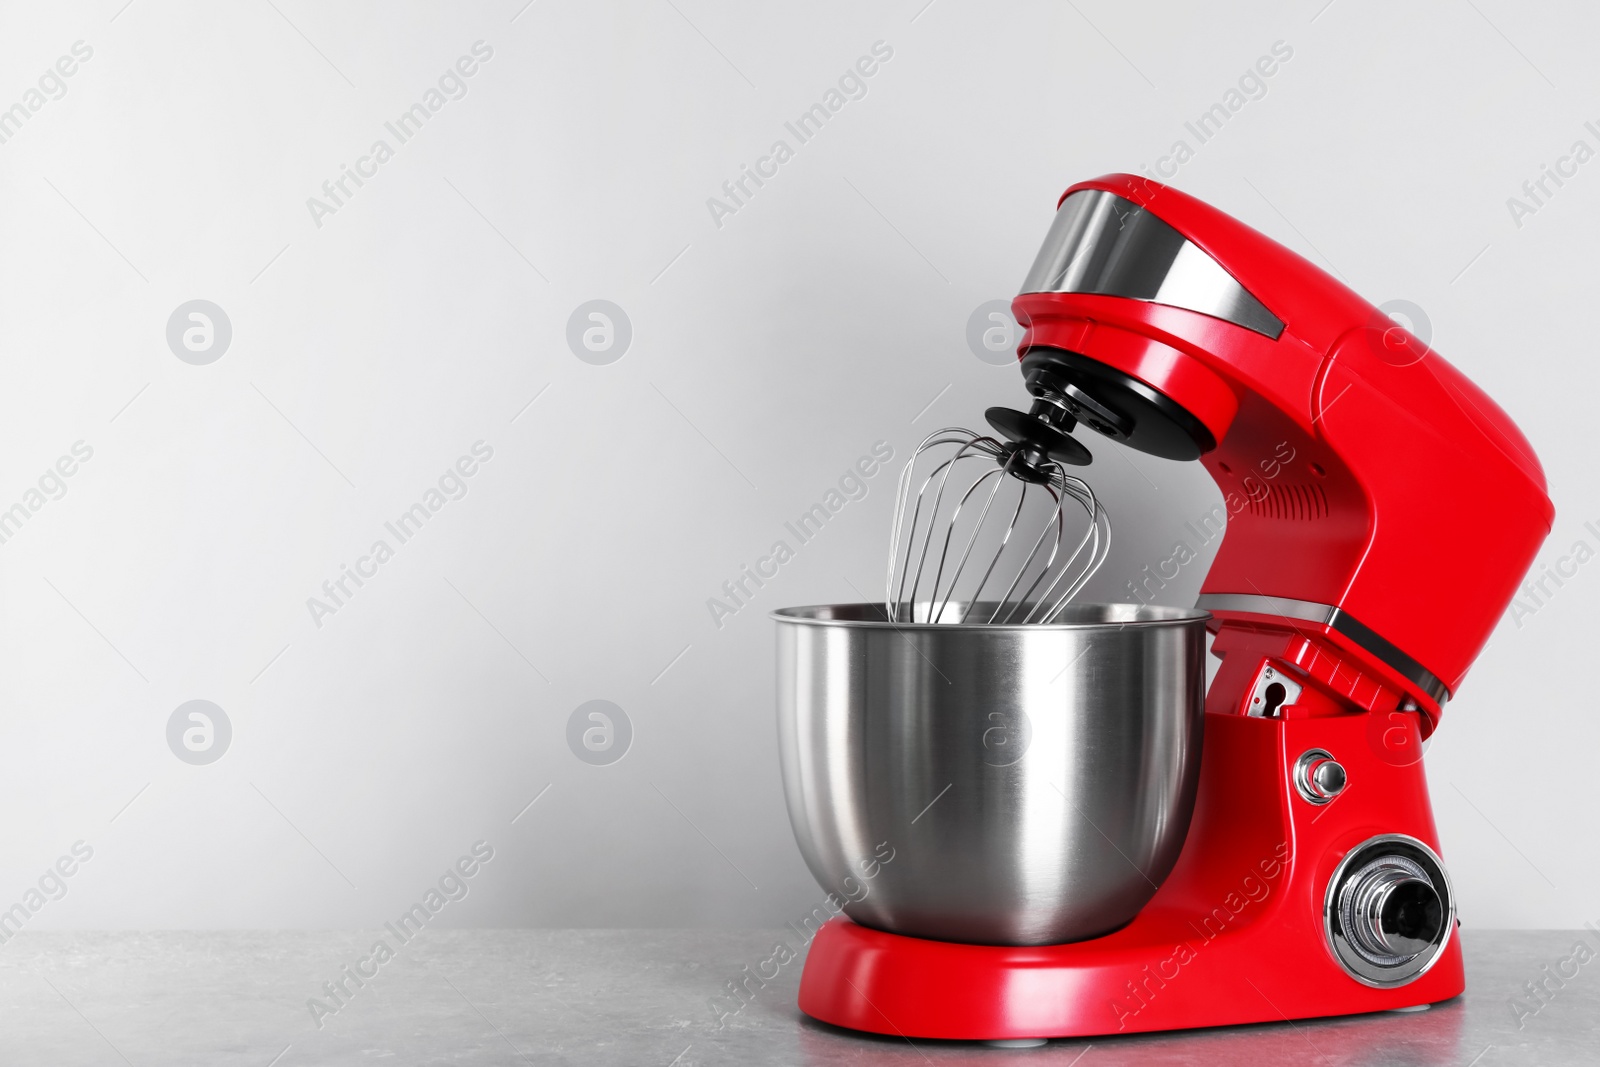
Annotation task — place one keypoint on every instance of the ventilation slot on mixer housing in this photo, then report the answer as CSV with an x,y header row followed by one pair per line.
x,y
1289,502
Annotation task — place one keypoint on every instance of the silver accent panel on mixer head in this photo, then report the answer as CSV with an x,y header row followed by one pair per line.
x,y
1104,244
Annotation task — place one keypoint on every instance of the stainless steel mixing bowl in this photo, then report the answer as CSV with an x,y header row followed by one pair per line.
x,y
1030,785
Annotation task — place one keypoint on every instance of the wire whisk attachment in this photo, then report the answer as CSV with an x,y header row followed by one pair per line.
x,y
969,552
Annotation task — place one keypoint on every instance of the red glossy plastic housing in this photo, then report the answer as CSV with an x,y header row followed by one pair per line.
x,y
1395,454
1234,935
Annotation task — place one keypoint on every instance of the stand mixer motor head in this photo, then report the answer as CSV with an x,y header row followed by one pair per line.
x,y
1102,243
1342,444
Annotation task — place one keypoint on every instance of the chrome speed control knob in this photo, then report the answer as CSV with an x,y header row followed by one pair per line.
x,y
1318,777
1327,778
1389,910
1394,913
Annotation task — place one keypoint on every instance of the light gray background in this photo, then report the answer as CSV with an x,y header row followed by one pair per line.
x,y
767,355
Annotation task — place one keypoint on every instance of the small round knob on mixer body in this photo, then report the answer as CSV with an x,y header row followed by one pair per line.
x,y
1328,778
1318,777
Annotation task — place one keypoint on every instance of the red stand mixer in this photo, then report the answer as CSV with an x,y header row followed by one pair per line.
x,y
1343,610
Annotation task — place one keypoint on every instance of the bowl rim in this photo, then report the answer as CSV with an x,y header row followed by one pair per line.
x,y
1162,615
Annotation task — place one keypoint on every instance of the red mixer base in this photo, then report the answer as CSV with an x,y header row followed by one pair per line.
x,y
888,984
1235,934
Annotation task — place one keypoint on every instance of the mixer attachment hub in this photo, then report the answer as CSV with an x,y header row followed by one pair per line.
x,y
1389,910
1040,435
1112,403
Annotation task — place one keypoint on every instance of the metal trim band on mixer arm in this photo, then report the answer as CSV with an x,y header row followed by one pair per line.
x,y
1335,619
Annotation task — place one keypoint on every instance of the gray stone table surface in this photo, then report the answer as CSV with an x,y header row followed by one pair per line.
x,y
599,997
